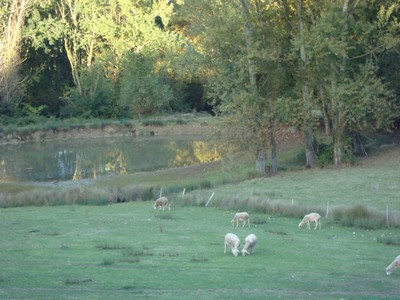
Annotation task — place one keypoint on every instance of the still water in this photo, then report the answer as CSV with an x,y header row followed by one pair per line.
x,y
92,157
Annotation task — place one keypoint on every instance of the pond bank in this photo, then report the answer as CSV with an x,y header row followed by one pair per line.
x,y
113,130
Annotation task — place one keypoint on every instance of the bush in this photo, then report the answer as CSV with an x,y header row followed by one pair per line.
x,y
144,91
325,154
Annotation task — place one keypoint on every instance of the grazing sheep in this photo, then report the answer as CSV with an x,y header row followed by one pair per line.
x,y
394,265
161,202
242,217
313,217
233,241
250,244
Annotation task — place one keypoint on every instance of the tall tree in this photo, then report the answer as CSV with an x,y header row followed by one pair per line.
x,y
343,54
246,70
12,16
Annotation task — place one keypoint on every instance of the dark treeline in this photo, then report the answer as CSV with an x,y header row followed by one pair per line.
x,y
256,63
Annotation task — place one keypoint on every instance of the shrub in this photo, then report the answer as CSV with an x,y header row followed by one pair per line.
x,y
325,154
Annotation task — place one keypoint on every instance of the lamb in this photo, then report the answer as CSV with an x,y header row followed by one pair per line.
x,y
233,241
394,265
161,202
250,244
313,217
242,217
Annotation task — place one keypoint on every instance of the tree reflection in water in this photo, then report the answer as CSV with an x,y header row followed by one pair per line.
x,y
89,158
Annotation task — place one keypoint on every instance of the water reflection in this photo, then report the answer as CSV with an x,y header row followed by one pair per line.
x,y
89,158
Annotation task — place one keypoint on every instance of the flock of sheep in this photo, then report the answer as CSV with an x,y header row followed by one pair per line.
x,y
250,241
233,240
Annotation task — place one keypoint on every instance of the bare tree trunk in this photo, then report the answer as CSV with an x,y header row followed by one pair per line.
x,y
307,127
325,111
69,14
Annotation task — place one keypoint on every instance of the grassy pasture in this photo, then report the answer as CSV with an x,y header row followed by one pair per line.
x,y
130,251
373,182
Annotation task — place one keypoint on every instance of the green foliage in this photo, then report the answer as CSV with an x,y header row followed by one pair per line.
x,y
325,154
143,90
95,100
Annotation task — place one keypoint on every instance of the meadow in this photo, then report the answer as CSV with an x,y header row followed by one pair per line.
x,y
130,250
55,245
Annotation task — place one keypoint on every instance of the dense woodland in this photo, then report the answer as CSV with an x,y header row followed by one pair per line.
x,y
259,64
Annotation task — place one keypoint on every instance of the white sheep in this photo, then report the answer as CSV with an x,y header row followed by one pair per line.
x,y
233,241
313,217
249,244
161,202
242,217
394,265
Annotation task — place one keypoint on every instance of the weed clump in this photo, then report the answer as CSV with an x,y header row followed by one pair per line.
x,y
389,240
363,217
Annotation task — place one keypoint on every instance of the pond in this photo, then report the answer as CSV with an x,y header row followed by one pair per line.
x,y
92,157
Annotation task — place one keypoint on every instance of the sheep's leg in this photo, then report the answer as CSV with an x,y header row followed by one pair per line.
x,y
308,225
316,225
244,223
225,248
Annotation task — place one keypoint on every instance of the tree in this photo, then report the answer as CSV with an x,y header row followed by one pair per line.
x,y
12,14
144,91
343,54
246,73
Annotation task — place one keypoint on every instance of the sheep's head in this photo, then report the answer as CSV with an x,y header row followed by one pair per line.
x,y
244,252
233,222
388,272
235,252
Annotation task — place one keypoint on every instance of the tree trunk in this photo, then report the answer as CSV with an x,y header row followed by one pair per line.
x,y
248,34
261,162
307,127
274,157
338,151
338,144
68,9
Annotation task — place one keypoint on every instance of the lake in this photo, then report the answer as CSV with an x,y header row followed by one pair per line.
x,y
88,158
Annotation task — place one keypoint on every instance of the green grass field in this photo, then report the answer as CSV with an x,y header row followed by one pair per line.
x,y
129,250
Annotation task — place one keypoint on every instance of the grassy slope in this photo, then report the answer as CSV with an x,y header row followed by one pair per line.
x,y
374,182
131,251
